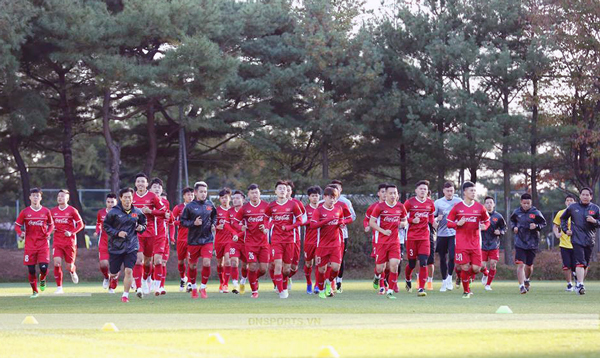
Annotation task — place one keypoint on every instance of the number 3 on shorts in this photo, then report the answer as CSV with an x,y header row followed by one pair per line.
x,y
411,253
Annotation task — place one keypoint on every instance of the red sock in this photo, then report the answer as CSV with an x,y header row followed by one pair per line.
x,y
113,282
235,274
43,275
308,274
33,282
104,271
490,276
220,274
192,274
286,279
278,280
58,275
147,271
253,278
381,279
293,272
137,275
164,275
333,275
320,280
205,274
327,273
422,276
157,272
181,268
393,281
408,272
226,275
484,271
465,277
245,271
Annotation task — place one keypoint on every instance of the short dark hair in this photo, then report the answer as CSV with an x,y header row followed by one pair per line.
x,y
125,191
449,184
489,198
526,196
164,195
240,193
570,196
225,191
35,191
382,186
187,189
336,182
140,175
467,185
390,186
314,190
281,182
253,187
422,182
156,181
64,191
588,189
329,191
111,196
290,183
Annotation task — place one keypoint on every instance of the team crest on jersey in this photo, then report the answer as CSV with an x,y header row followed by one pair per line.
x,y
385,211
209,208
532,216
591,212
28,215
495,219
134,215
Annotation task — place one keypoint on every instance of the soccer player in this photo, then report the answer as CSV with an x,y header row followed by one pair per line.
x,y
237,252
67,223
310,238
468,218
348,203
182,231
161,240
420,211
151,206
367,227
431,257
527,222
296,258
445,236
585,219
252,221
223,240
122,224
100,234
200,217
566,247
490,243
386,220
34,225
328,219
285,216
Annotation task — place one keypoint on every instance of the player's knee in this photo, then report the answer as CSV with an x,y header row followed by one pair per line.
x,y
423,260
31,269
412,263
43,268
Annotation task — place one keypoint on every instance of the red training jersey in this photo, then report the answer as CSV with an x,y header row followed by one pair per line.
x,y
388,218
286,214
253,217
330,234
67,219
468,236
102,236
38,226
182,231
310,238
151,201
161,221
419,209
235,225
225,234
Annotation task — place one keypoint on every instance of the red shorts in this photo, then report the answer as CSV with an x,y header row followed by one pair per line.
x,y
167,251
325,255
490,255
258,254
158,245
238,250
182,250
387,252
414,248
222,248
103,254
34,257
296,258
197,251
284,252
146,245
309,251
67,253
464,257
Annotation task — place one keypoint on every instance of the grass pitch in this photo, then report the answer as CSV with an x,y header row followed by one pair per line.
x,y
547,322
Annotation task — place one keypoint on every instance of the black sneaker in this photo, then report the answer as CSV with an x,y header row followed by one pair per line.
x,y
523,290
408,286
581,290
527,285
181,284
457,284
338,287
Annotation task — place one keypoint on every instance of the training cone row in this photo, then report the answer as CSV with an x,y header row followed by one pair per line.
x,y
327,352
504,309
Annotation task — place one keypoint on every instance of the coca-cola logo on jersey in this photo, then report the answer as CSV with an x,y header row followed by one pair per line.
x,y
421,215
36,223
470,219
61,221
391,219
255,219
333,222
281,217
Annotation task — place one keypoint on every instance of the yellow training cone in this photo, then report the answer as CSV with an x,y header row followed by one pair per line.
x,y
328,352
504,309
110,327
29,320
215,338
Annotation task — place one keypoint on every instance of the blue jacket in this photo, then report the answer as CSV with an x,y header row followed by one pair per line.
x,y
118,220
202,234
489,240
526,238
584,233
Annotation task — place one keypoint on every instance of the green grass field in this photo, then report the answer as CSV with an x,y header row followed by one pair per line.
x,y
547,322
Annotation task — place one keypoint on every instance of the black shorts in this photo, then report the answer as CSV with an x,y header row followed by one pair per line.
x,y
445,245
582,255
431,258
525,256
568,258
126,259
